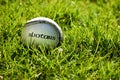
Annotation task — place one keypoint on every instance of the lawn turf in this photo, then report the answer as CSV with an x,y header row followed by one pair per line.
x,y
90,49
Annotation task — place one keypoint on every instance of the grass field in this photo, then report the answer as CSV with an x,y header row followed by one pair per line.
x,y
91,46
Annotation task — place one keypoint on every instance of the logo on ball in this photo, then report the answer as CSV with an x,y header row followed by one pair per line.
x,y
42,36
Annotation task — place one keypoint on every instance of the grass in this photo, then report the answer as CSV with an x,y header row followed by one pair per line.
x,y
91,46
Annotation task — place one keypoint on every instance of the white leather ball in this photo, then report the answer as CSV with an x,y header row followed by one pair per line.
x,y
43,32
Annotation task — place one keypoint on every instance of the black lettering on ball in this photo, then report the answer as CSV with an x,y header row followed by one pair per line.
x,y
42,36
